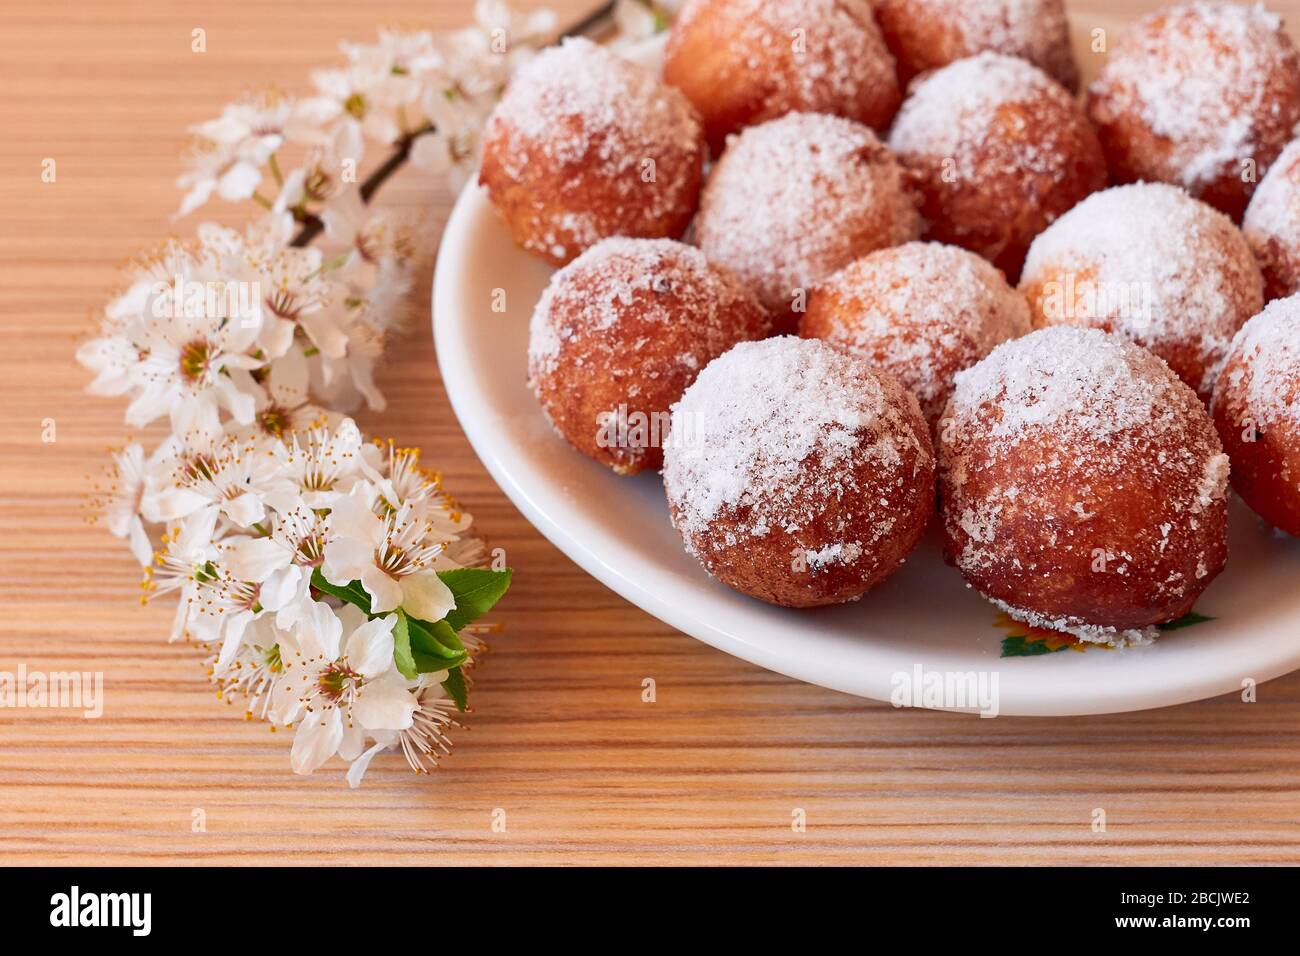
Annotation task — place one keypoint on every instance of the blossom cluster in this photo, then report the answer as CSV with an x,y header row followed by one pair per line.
x,y
336,584
321,569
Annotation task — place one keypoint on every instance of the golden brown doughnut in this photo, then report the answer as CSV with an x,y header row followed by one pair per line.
x,y
1203,95
618,335
585,145
797,474
1000,150
1272,224
1257,411
923,311
1150,263
745,61
794,199
927,34
1083,486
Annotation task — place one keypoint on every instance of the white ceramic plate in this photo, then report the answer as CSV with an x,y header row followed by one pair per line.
x,y
617,529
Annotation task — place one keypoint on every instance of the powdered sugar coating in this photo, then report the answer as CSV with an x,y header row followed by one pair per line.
x,y
1082,483
746,61
1193,92
620,332
1148,262
1000,149
586,145
927,34
1069,381
1268,376
952,109
796,198
1272,224
1257,410
796,473
923,311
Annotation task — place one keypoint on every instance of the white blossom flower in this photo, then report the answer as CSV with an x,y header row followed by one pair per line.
x,y
400,481
111,357
303,304
255,671
237,476
373,102
392,557
178,340
132,498
184,564
115,355
127,499
322,174
281,399
212,170
231,150
303,532
424,742
345,383
334,701
366,237
236,589
289,555
322,463
400,53
397,474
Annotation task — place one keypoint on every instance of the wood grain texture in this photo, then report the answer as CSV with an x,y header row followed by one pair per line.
x,y
560,738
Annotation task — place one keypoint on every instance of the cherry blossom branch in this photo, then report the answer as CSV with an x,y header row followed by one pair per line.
x,y
312,225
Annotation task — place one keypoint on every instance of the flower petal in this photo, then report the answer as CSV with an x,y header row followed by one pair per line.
x,y
354,740
345,559
255,559
385,593
238,182
323,330
280,588
359,766
352,518
425,597
172,503
317,739
235,627
370,647
141,546
318,630
385,704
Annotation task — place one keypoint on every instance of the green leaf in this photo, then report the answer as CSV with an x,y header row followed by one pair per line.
x,y
402,656
1187,620
454,685
1020,646
434,647
421,647
352,593
475,590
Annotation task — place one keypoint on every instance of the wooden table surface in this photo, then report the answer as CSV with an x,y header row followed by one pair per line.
x,y
560,739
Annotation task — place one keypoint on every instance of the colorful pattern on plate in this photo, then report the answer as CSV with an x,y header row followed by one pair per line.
x,y
1025,641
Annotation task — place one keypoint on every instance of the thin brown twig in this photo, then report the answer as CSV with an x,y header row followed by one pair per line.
x,y
312,224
